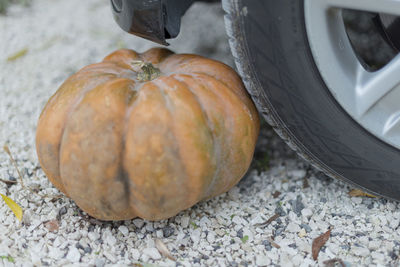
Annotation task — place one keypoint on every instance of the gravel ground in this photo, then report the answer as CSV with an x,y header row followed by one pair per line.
x,y
62,36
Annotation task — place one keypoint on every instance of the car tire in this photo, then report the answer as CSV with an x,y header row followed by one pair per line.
x,y
268,40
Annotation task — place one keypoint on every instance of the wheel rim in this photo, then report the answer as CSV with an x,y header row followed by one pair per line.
x,y
371,98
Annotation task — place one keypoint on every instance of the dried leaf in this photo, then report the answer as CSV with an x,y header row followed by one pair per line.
x,y
334,262
52,225
18,54
267,222
319,242
15,208
359,193
162,248
305,183
276,194
271,240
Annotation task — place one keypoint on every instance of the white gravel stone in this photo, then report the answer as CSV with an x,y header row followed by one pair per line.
x,y
302,232
306,212
293,227
249,234
297,173
138,223
73,254
239,220
55,253
109,256
211,237
257,220
109,239
262,260
185,221
152,253
99,262
135,254
360,251
195,235
93,236
124,230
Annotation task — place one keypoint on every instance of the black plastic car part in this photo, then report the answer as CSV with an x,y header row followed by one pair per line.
x,y
155,20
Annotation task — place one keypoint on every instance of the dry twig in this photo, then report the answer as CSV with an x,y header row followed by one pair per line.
x,y
267,222
8,182
273,243
7,150
162,248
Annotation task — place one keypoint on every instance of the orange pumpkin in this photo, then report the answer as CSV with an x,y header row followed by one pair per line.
x,y
147,135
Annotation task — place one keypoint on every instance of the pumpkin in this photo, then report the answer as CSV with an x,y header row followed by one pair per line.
x,y
147,135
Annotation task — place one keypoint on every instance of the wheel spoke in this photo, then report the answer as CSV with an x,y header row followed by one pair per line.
x,y
370,98
392,125
377,6
372,86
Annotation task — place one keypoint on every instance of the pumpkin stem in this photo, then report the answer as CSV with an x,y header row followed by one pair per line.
x,y
147,71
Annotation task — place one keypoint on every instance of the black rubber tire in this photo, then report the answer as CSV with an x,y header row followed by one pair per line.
x,y
269,42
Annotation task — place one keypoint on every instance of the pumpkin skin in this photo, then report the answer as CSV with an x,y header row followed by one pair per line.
x,y
121,147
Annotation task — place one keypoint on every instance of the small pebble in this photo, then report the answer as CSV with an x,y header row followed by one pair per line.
x,y
168,231
99,262
297,205
302,233
306,227
124,230
185,221
306,213
135,254
138,223
152,253
73,254
360,251
262,260
293,227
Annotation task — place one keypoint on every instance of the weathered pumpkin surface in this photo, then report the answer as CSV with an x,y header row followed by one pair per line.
x,y
122,147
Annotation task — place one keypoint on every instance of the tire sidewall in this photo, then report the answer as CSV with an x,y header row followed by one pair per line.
x,y
289,90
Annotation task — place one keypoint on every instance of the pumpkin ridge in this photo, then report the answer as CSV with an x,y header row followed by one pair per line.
x,y
204,80
69,108
247,108
175,61
75,103
123,172
115,91
162,53
232,77
200,195
134,103
211,125
229,87
167,102
152,206
106,67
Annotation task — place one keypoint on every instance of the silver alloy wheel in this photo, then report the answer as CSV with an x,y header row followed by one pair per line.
x,y
370,98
